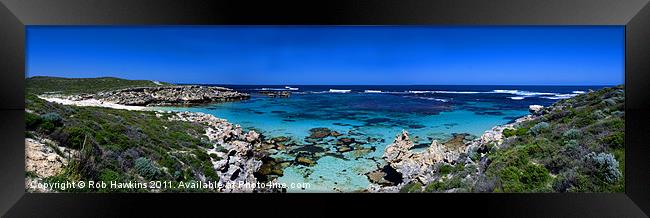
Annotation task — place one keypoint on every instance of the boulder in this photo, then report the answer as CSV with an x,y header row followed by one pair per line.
x,y
417,165
345,141
319,133
343,149
42,159
377,177
536,109
305,160
280,139
252,136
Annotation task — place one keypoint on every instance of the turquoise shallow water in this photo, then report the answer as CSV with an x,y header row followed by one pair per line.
x,y
380,116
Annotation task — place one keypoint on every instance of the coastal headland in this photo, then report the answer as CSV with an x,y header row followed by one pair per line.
x,y
112,131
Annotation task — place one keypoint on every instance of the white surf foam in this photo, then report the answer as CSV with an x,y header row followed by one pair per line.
x,y
340,90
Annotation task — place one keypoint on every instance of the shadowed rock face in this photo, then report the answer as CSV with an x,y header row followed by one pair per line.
x,y
417,166
170,95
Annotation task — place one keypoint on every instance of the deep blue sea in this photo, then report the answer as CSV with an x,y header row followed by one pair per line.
x,y
378,112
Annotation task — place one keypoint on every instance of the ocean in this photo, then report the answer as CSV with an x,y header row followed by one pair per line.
x,y
373,115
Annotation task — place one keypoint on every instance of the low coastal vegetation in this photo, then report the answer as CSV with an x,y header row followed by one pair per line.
x,y
103,144
69,86
120,145
574,145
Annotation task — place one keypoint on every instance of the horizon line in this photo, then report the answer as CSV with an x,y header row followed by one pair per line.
x,y
396,84
288,84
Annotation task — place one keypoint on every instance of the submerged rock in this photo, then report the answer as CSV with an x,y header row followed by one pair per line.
x,y
270,168
305,160
274,94
280,139
345,141
319,133
457,141
343,149
378,178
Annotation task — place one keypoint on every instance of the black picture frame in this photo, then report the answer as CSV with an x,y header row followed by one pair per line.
x,y
633,14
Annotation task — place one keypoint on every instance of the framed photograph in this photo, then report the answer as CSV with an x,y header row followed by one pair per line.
x,y
512,108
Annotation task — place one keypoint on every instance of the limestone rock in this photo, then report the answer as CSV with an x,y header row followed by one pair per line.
x,y
417,165
42,159
536,109
168,95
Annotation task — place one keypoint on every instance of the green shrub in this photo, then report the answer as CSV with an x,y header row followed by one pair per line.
x,y
616,139
609,102
168,162
508,133
52,118
603,165
529,178
32,121
215,157
572,134
539,128
571,144
435,186
454,182
614,124
210,173
221,149
146,168
598,114
201,155
411,188
445,169
74,137
515,132
108,175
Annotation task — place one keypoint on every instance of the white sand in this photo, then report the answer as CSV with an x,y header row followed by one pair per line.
x,y
92,103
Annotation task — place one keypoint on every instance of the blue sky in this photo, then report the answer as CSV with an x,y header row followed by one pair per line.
x,y
350,55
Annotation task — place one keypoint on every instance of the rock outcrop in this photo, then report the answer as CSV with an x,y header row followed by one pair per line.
x,y
420,166
237,160
417,166
535,109
167,95
42,159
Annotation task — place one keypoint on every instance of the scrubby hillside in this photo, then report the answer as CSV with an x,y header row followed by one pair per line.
x,y
119,145
96,143
68,86
574,145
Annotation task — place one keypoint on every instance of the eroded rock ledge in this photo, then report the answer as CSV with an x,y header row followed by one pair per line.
x,y
234,155
166,95
404,166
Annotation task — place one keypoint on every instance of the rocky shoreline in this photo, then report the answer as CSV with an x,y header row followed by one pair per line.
x,y
162,96
404,166
234,155
241,157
